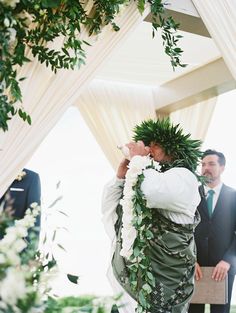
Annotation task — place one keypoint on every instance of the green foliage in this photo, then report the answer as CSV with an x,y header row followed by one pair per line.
x,y
31,25
78,305
184,152
141,279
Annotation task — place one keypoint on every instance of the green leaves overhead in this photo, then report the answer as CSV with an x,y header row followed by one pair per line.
x,y
31,25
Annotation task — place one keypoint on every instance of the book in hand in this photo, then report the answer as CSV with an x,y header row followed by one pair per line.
x,y
207,290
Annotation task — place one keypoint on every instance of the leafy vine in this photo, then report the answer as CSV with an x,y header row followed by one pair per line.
x,y
141,278
135,244
32,24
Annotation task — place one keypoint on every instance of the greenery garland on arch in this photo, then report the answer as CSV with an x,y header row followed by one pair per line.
x,y
33,23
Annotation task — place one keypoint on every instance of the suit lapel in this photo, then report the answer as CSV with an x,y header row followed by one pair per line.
x,y
221,201
203,203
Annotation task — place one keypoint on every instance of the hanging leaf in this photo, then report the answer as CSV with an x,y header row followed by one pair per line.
x,y
73,278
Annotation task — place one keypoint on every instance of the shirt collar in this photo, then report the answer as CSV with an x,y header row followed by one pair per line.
x,y
216,188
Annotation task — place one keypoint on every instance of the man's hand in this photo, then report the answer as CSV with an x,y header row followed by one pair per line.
x,y
198,272
122,169
138,148
220,271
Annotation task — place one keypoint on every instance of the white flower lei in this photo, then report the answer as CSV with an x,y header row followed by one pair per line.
x,y
128,232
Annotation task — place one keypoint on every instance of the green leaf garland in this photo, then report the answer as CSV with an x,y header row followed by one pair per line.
x,y
27,24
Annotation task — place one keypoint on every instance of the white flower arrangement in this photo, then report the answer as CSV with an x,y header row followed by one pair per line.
x,y
26,274
128,232
22,275
10,3
13,284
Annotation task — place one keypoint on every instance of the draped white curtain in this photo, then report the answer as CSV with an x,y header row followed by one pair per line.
x,y
220,19
46,96
111,111
195,119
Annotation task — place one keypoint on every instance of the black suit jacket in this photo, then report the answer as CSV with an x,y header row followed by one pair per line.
x,y
216,236
22,193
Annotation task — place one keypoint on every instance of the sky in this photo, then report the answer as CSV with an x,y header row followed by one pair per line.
x,y
70,154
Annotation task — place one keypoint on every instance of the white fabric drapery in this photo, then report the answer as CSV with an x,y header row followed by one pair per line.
x,y
219,17
111,111
46,96
196,118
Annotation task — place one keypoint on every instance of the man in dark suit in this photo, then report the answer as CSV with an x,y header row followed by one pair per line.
x,y
24,190
216,234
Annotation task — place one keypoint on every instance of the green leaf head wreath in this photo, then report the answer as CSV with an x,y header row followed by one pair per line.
x,y
184,152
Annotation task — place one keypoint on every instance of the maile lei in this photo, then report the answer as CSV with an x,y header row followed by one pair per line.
x,y
136,231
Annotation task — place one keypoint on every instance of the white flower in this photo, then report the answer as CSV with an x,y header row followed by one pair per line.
x,y
9,238
138,163
34,205
128,231
3,305
19,245
13,286
6,22
10,3
12,39
28,19
21,175
12,257
2,258
20,229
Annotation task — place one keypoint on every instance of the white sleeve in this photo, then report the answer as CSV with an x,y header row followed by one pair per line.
x,y
111,197
175,190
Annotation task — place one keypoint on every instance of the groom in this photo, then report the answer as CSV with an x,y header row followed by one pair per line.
x,y
170,196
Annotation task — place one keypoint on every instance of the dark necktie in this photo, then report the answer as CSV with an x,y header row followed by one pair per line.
x,y
210,201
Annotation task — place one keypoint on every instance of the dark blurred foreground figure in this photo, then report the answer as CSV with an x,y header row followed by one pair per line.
x,y
25,190
216,233
164,197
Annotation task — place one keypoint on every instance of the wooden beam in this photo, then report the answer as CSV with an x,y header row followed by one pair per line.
x,y
185,13
183,6
198,85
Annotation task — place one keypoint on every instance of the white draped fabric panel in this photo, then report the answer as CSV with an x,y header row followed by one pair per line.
x,y
196,118
220,19
46,96
111,110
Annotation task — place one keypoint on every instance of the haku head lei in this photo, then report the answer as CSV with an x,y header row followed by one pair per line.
x,y
184,152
